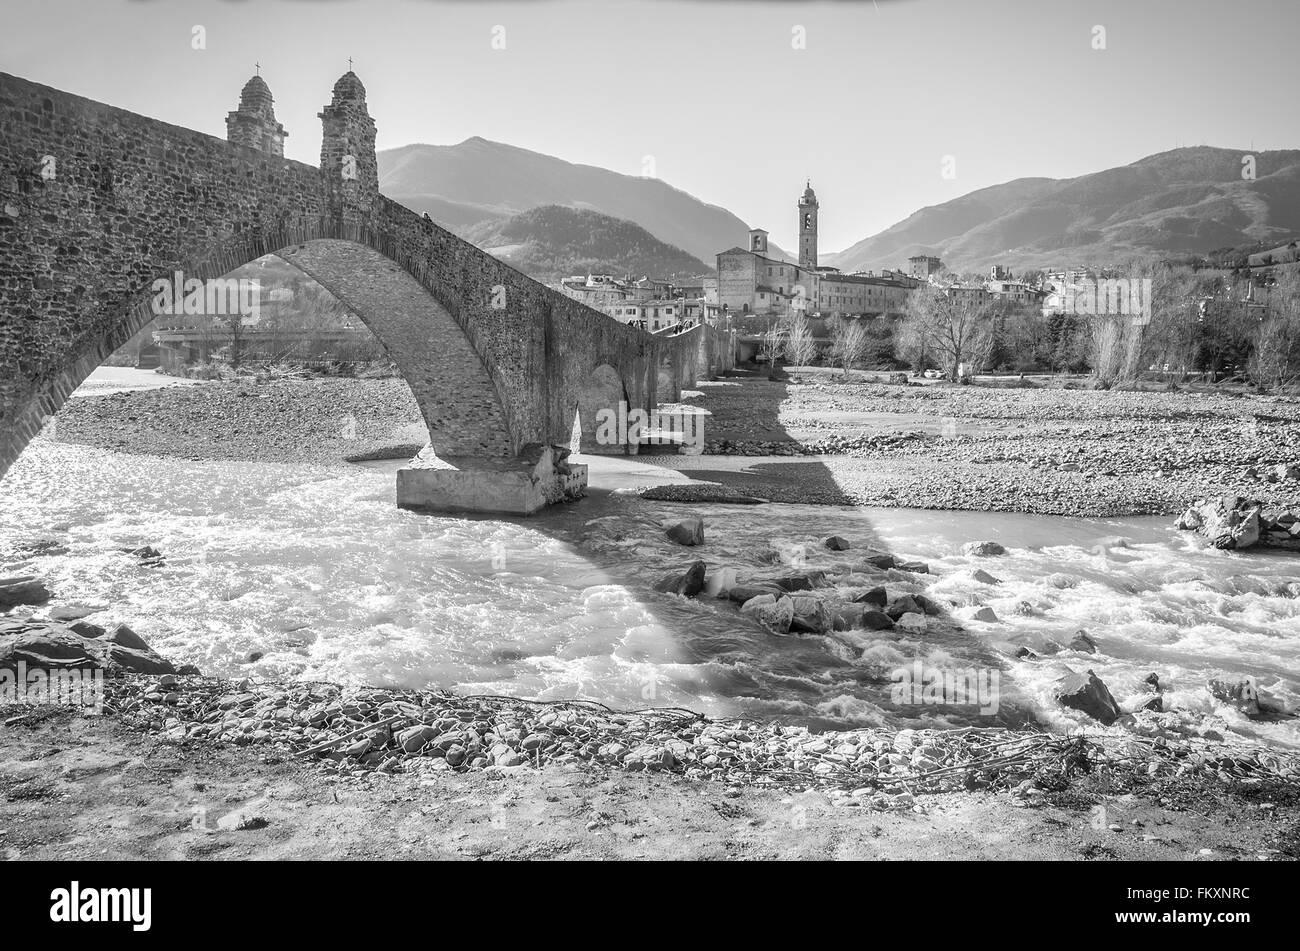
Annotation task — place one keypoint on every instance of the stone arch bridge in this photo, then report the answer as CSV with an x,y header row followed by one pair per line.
x,y
97,203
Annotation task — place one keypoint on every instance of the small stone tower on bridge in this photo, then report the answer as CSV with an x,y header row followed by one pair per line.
x,y
253,124
347,148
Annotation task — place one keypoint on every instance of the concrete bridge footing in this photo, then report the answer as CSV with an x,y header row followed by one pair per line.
x,y
539,476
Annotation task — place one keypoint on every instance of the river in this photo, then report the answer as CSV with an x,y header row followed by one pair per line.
x,y
319,572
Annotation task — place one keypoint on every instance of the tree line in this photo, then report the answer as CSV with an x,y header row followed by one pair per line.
x,y
1182,323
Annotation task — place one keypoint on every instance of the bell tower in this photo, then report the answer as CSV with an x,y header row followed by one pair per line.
x,y
808,229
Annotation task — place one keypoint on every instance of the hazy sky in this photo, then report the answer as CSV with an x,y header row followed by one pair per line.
x,y
714,90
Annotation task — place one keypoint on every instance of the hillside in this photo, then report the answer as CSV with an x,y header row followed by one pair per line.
x,y
555,241
463,185
1190,200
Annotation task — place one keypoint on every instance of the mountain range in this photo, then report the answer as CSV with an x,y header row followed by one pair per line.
x,y
556,241
463,185
1185,201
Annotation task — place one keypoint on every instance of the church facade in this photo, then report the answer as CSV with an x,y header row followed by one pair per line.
x,y
752,282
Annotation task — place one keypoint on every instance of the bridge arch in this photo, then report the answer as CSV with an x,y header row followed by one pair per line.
x,y
458,398
602,410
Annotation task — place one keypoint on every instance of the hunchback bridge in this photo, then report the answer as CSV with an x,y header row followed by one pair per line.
x,y
96,203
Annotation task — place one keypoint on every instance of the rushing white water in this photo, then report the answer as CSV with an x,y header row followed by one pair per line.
x,y
318,570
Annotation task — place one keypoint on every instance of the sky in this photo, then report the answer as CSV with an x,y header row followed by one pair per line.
x,y
886,105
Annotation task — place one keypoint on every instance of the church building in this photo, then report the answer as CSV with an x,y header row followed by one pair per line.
x,y
752,282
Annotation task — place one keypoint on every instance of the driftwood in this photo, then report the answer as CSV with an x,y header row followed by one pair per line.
x,y
340,740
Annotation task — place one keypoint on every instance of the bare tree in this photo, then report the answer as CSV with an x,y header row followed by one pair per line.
x,y
952,327
849,342
1275,361
771,347
800,347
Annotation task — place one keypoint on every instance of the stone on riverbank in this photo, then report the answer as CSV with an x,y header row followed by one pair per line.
x,y
1087,694
55,646
1234,523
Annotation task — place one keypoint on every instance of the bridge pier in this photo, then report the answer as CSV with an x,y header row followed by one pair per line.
x,y
539,476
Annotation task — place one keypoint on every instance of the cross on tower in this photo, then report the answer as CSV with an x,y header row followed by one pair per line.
x,y
349,64
258,67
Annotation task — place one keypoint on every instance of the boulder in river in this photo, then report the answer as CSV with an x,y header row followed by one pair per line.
x,y
741,593
22,589
689,531
928,605
775,614
1087,693
810,614
985,614
983,577
1242,695
881,560
1083,643
876,596
837,543
801,581
904,604
688,584
911,621
876,621
985,549
845,617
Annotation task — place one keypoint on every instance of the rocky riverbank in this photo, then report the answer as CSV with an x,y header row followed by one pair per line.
x,y
102,787
202,768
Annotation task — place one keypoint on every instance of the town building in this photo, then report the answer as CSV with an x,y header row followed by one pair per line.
x,y
972,296
924,266
750,281
1013,292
